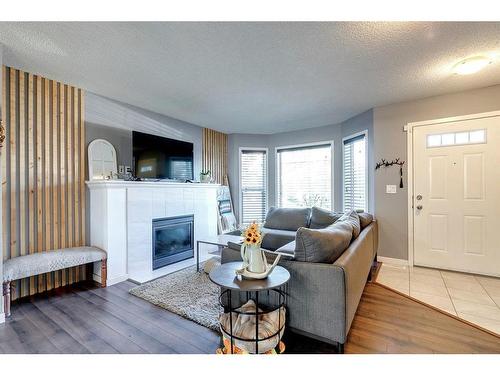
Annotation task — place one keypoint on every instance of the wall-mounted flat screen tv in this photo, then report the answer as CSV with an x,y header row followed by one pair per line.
x,y
162,158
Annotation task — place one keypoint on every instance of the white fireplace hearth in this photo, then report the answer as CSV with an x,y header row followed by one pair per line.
x,y
121,222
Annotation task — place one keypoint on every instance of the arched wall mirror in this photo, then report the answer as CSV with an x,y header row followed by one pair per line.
x,y
102,160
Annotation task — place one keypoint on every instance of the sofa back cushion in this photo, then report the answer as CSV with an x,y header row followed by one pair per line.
x,y
322,245
321,218
287,218
365,219
352,218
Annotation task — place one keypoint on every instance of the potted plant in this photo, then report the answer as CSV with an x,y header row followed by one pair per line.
x,y
205,176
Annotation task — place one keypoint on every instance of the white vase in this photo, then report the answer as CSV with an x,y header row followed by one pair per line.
x,y
253,259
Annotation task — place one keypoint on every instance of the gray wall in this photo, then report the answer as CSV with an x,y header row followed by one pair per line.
x,y
390,142
114,121
386,139
333,133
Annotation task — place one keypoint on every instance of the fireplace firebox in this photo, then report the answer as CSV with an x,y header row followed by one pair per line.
x,y
173,240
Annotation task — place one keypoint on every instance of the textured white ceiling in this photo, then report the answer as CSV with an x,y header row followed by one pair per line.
x,y
249,77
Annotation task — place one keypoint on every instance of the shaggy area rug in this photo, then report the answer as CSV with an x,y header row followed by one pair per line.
x,y
186,293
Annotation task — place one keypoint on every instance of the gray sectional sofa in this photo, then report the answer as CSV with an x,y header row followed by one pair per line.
x,y
323,294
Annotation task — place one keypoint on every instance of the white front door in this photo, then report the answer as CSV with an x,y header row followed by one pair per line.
x,y
456,202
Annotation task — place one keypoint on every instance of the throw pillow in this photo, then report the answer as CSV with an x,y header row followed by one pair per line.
x,y
352,218
365,219
321,218
322,245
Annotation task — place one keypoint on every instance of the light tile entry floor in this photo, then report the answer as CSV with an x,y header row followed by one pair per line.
x,y
470,297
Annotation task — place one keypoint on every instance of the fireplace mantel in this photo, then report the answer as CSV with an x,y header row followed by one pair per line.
x,y
121,216
111,184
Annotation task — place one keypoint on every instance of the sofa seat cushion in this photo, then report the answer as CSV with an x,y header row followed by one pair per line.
x,y
275,238
323,245
287,218
321,218
352,218
289,248
48,261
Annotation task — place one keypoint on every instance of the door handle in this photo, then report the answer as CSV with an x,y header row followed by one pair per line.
x,y
419,207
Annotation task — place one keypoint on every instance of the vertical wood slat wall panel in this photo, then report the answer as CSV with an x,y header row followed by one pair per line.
x,y
43,167
31,174
3,158
22,172
40,230
214,154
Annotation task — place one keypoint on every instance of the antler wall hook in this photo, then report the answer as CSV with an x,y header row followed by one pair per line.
x,y
384,163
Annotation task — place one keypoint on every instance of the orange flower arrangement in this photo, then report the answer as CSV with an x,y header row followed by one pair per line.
x,y
252,236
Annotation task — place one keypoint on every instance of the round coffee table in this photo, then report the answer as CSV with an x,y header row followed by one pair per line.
x,y
276,283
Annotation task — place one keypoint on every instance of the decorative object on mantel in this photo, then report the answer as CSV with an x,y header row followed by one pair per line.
x,y
255,264
102,160
205,176
384,163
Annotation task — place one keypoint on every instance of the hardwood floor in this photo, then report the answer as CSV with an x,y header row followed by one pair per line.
x,y
389,322
85,319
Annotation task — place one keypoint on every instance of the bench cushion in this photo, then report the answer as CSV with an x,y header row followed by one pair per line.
x,y
48,261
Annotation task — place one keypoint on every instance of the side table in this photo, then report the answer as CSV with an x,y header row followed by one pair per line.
x,y
274,286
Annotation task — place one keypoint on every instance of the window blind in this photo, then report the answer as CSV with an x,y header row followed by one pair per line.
x,y
354,170
253,191
182,169
304,176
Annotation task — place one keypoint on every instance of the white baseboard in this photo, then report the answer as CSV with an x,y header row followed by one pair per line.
x,y
110,281
393,261
116,280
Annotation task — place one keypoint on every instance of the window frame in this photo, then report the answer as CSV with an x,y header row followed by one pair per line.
x,y
346,138
240,190
330,143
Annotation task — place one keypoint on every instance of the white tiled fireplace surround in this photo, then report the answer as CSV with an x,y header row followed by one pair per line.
x,y
470,297
121,215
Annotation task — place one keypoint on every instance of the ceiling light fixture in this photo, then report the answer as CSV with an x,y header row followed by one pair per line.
x,y
471,65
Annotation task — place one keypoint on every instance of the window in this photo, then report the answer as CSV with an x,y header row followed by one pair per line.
x,y
458,138
253,185
355,173
304,176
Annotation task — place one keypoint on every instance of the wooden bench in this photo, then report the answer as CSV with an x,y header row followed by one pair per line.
x,y
48,261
